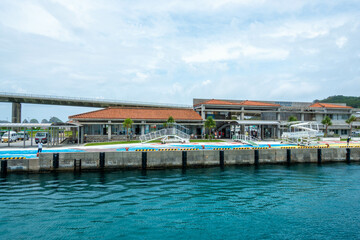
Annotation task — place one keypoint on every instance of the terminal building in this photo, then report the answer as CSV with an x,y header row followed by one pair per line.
x,y
268,119
107,124
261,119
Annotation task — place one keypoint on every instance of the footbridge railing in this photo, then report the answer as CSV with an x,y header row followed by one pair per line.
x,y
163,133
302,134
246,139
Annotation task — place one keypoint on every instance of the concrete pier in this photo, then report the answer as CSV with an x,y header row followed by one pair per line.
x,y
91,161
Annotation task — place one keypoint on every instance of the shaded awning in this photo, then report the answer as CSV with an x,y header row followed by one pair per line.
x,y
38,125
257,122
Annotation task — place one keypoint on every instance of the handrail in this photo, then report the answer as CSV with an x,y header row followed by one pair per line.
x,y
162,133
247,139
302,134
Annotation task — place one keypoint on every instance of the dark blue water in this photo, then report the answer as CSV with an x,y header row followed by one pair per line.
x,y
271,202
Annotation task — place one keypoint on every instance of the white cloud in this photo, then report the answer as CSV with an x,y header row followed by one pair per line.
x,y
140,77
221,3
233,51
173,51
32,18
341,41
83,77
206,82
309,51
308,29
176,88
294,88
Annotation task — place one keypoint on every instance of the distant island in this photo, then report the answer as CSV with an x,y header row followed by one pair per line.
x,y
350,101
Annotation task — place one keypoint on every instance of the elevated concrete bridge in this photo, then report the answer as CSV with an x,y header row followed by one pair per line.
x,y
17,99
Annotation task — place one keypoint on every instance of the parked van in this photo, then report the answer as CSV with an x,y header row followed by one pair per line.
x,y
43,137
13,137
2,133
22,136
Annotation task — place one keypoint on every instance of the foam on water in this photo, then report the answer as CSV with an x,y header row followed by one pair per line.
x,y
271,202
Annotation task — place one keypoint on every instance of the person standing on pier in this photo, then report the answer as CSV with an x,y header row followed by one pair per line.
x,y
40,145
348,140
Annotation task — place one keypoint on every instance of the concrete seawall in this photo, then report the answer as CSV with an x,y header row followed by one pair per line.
x,y
176,159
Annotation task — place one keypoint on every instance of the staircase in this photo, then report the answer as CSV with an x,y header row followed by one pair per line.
x,y
246,139
175,133
303,133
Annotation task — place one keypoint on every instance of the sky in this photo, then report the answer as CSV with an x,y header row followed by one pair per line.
x,y
173,51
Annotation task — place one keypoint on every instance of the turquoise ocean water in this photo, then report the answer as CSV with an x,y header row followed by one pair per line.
x,y
304,201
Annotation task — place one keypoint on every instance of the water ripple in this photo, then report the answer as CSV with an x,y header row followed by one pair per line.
x,y
272,202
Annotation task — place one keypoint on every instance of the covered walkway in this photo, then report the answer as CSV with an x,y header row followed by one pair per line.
x,y
56,132
265,129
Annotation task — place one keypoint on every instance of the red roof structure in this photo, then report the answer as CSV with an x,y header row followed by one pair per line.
x,y
253,103
327,105
243,103
140,113
217,102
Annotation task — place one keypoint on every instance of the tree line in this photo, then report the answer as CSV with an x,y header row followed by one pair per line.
x,y
51,120
349,100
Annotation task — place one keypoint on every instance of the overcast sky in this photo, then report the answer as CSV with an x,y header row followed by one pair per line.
x,y
172,51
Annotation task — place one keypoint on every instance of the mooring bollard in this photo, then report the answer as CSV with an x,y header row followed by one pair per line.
x,y
256,155
348,155
221,158
56,160
184,159
3,166
102,160
319,156
143,160
77,164
288,156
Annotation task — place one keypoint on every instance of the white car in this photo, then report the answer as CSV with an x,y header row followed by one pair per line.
x,y
13,137
22,135
43,137
356,133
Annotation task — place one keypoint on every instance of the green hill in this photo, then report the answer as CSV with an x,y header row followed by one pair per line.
x,y
350,101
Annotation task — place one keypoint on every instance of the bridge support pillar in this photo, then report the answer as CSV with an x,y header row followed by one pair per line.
x,y
16,113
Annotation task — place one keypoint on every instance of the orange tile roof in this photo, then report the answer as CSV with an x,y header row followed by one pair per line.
x,y
253,103
243,103
217,102
139,113
327,105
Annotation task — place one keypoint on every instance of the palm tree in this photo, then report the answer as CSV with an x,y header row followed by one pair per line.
x,y
209,124
292,119
327,122
127,124
169,122
349,121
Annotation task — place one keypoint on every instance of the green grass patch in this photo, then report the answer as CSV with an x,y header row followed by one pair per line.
x,y
206,140
154,141
110,143
118,142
